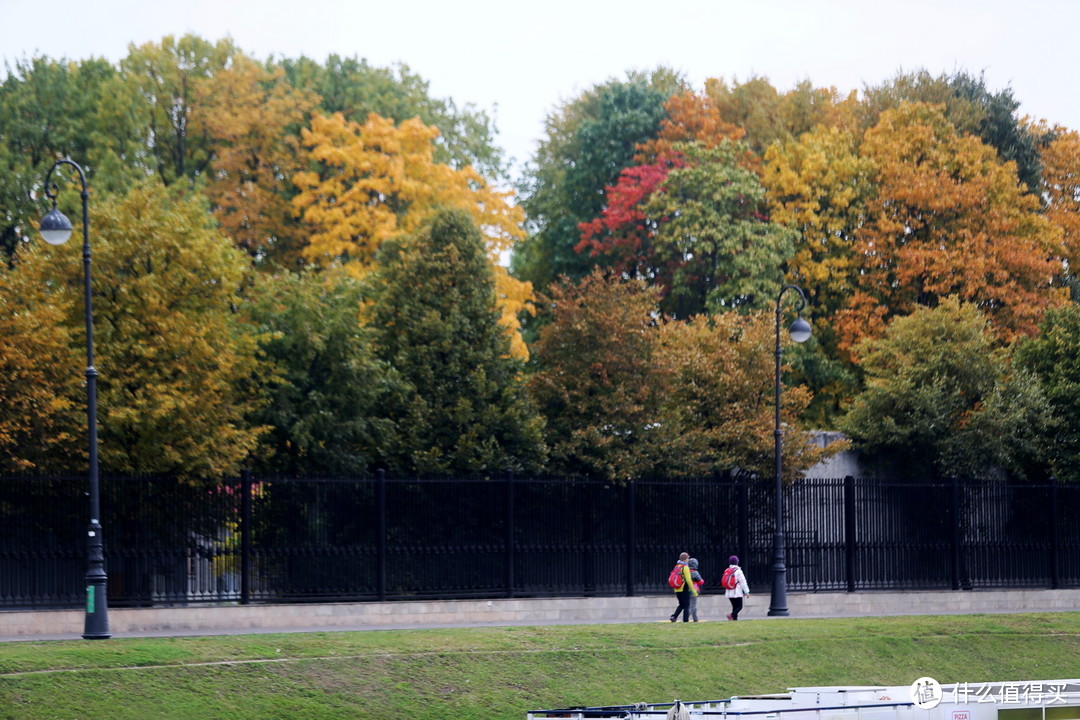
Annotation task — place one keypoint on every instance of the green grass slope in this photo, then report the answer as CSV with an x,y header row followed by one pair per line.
x,y
497,673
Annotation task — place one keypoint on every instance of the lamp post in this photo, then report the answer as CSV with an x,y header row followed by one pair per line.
x,y
56,229
800,332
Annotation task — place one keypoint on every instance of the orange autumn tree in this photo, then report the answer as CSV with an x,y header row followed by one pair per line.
x,y
1061,186
949,219
377,180
690,118
250,112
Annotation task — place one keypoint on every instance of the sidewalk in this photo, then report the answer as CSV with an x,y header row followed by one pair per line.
x,y
423,614
420,614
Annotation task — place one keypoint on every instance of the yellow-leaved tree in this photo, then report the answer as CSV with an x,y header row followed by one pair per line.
x,y
176,362
819,185
377,180
43,423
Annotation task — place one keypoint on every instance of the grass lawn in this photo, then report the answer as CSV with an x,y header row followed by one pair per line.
x,y
501,672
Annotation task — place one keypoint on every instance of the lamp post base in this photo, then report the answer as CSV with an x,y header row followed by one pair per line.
x,y
96,626
778,606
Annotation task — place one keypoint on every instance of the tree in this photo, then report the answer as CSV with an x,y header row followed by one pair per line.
x,y
711,224
380,179
593,377
820,186
41,369
689,118
768,116
1061,187
434,320
325,391
941,395
948,218
715,411
252,116
175,363
51,109
1053,358
694,224
354,88
589,141
622,236
971,108
168,76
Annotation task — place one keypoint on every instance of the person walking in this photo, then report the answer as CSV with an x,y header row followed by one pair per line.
x,y
698,581
735,587
683,590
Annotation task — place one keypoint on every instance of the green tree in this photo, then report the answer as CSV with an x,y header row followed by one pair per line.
x,y
1054,357
51,109
435,321
325,392
168,76
589,141
594,378
943,397
711,221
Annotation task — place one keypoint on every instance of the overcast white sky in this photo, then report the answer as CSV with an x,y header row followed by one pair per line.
x,y
519,60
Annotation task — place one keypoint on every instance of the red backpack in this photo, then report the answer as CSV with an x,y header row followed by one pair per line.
x,y
729,581
675,579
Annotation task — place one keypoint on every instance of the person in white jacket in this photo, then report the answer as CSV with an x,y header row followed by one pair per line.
x,y
741,589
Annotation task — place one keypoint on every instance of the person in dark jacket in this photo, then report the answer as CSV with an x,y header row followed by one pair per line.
x,y
684,593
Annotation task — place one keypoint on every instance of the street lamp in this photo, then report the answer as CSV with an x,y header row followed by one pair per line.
x,y
800,332
56,229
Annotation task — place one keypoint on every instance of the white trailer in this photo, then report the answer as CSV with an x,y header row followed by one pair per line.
x,y
925,699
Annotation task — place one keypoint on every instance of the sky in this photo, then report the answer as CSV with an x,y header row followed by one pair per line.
x,y
519,61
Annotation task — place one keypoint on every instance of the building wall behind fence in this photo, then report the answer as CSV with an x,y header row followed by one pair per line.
x,y
252,539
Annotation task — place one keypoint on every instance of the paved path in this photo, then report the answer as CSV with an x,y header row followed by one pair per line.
x,y
327,617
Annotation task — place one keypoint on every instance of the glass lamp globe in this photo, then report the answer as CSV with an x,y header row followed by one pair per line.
x,y
55,227
800,330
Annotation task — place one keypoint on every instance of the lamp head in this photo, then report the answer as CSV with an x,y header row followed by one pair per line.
x,y
800,330
55,227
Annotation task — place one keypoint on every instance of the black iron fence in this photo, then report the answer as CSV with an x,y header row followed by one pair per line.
x,y
257,540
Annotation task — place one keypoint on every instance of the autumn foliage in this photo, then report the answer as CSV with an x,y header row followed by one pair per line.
x,y
267,232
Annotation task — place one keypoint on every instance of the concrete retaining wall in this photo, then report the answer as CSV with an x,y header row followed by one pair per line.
x,y
211,620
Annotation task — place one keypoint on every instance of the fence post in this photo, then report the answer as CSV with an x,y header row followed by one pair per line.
x,y
849,532
245,537
631,537
954,507
742,490
1055,537
380,537
509,543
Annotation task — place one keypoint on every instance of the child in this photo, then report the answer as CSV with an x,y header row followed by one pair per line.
x,y
698,581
